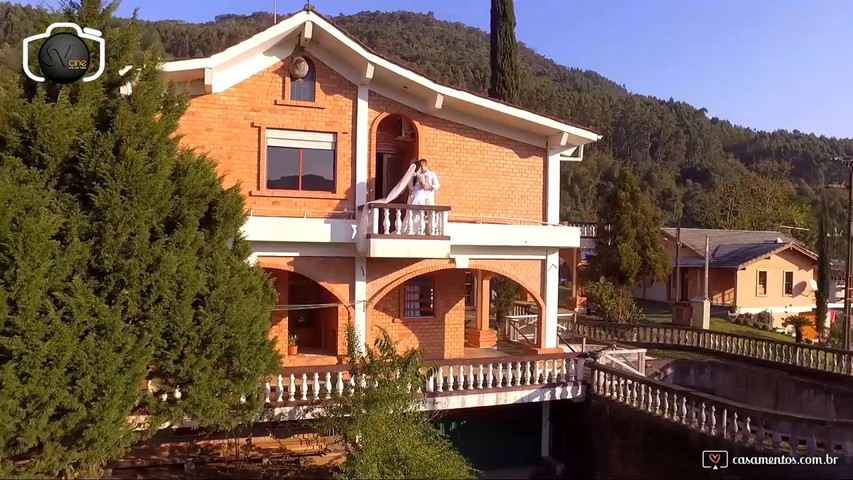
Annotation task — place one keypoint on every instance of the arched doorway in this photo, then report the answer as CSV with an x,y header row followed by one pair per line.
x,y
396,147
310,312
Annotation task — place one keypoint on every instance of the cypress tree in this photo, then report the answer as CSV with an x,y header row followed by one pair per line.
x,y
824,267
506,74
629,247
120,261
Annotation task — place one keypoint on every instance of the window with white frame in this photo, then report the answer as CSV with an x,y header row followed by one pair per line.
x,y
300,161
761,287
419,298
302,89
788,285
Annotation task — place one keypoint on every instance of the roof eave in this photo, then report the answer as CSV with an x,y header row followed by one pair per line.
x,y
205,68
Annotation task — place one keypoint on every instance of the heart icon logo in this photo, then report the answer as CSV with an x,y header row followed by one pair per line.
x,y
714,457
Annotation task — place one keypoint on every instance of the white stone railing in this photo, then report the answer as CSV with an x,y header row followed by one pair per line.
x,y
588,230
762,429
504,372
308,384
408,220
522,329
665,336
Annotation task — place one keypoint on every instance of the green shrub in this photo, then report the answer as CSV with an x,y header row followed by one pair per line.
x,y
745,319
764,320
612,303
798,322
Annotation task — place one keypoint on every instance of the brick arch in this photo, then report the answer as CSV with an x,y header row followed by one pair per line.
x,y
372,145
346,312
267,265
416,271
382,116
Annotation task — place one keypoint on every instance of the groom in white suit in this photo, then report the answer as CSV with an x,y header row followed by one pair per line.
x,y
424,185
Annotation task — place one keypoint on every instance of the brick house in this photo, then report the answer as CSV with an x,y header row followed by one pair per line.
x,y
314,127
751,271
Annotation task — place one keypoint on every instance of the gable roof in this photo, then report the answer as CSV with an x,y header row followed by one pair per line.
x,y
734,248
320,37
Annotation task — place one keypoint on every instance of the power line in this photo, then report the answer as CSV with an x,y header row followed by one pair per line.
x,y
313,306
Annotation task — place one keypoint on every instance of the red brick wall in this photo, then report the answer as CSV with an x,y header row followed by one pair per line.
x,y
439,337
229,125
382,272
479,171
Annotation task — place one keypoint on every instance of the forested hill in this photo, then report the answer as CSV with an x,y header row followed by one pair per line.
x,y
706,172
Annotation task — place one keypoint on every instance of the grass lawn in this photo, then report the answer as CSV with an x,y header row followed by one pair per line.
x,y
661,312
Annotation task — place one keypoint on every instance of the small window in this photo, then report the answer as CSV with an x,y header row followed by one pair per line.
x,y
762,284
419,298
789,283
470,290
302,89
303,161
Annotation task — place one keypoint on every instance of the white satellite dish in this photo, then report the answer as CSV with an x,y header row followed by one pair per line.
x,y
813,284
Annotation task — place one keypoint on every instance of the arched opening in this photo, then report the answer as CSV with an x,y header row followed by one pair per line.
x,y
303,88
449,312
396,147
309,312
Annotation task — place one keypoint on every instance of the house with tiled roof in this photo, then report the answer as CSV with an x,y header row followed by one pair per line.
x,y
752,271
321,135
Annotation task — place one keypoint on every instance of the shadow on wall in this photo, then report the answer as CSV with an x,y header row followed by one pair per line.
x,y
440,335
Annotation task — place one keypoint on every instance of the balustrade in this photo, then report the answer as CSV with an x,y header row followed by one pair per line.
x,y
408,220
796,354
762,429
320,383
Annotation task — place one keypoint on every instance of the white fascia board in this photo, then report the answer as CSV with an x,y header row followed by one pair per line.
x,y
482,234
299,230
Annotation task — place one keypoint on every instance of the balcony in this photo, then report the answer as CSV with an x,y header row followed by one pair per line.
x,y
588,231
454,383
407,231
434,232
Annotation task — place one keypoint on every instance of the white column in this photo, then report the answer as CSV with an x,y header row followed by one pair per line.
x,y
546,429
360,297
362,132
551,280
552,187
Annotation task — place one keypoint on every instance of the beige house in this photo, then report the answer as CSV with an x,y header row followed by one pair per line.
x,y
752,271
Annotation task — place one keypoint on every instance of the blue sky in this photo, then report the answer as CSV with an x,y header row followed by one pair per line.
x,y
765,64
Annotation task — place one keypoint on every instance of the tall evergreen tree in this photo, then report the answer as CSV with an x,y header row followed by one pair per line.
x,y
629,246
120,261
506,74
824,267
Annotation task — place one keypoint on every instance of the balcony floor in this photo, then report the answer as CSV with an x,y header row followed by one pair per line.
x,y
504,349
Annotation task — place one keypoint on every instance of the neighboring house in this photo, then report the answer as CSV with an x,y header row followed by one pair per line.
x,y
752,271
310,149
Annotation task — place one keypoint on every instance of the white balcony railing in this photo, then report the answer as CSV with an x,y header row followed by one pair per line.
x,y
408,220
588,230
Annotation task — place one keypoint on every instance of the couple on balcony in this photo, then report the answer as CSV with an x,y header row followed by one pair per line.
x,y
424,184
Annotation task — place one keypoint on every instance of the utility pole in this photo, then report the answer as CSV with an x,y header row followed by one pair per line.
x,y
848,162
678,262
707,262
274,12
